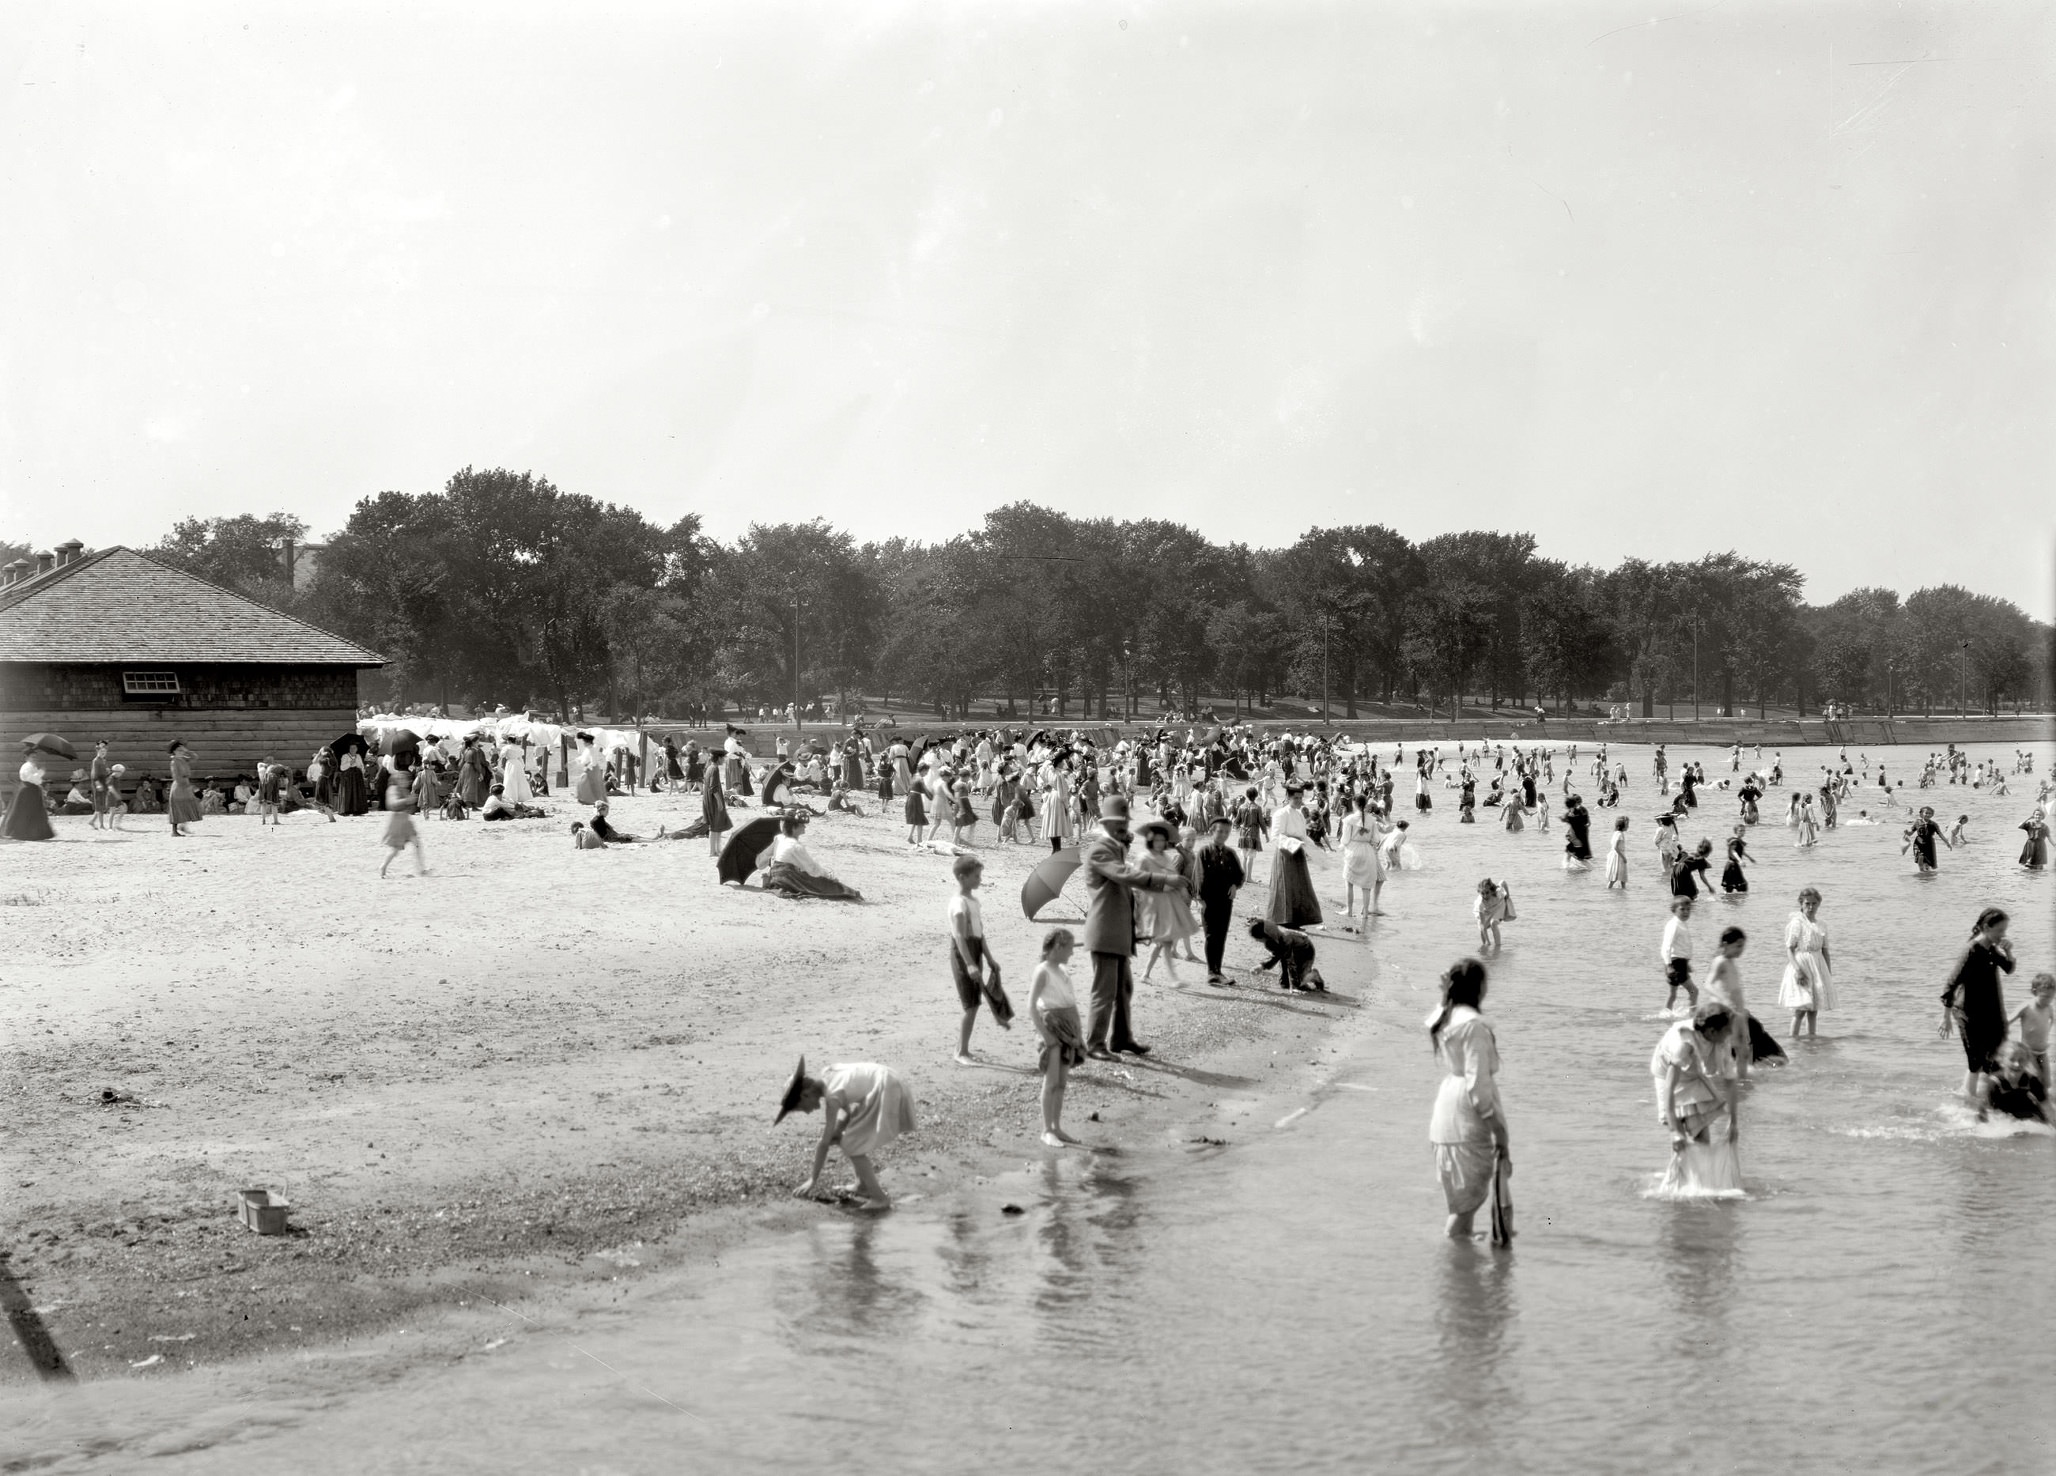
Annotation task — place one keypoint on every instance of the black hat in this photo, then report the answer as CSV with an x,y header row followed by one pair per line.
x,y
790,1101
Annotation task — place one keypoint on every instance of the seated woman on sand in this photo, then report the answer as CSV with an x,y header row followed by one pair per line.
x,y
76,800
790,868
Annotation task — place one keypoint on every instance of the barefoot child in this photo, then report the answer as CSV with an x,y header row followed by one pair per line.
x,y
1054,1008
1675,954
1748,1043
2035,1018
269,780
1494,905
975,970
400,830
864,1107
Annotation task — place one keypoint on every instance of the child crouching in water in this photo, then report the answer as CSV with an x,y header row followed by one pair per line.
x,y
864,1107
1493,907
1054,1008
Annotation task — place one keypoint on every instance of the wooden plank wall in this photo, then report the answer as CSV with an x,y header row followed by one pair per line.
x,y
225,741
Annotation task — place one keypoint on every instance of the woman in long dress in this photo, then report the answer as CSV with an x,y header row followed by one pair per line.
x,y
180,803
351,798
592,776
1809,983
1292,903
28,813
514,787
1468,1126
1167,918
1056,810
1698,1107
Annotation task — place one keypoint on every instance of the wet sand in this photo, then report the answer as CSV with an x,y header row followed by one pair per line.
x,y
532,1069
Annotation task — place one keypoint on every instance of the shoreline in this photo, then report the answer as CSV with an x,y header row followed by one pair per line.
x,y
486,1193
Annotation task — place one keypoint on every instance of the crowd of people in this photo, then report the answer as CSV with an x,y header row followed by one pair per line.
x,y
1170,830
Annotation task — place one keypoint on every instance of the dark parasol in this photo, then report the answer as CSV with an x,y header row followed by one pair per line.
x,y
739,856
50,743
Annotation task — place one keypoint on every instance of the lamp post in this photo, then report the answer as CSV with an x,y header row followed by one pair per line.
x,y
796,662
1695,671
1963,678
1326,716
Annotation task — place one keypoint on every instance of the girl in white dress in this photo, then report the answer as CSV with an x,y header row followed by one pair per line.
x,y
1809,983
1363,870
514,787
1617,856
1696,1103
1468,1125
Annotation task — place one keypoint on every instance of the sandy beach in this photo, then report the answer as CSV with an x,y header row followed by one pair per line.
x,y
531,1068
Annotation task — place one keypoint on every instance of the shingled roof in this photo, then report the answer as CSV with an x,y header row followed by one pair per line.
x,y
117,605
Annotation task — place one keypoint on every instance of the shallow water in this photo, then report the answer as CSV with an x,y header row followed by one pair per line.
x,y
1285,1303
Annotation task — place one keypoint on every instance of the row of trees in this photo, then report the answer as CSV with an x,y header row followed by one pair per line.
x,y
503,588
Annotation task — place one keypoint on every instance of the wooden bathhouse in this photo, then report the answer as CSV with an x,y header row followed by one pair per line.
x,y
113,644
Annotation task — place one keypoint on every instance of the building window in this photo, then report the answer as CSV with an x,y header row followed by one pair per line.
x,y
149,683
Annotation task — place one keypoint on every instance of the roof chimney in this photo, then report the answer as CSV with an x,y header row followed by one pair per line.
x,y
68,551
45,562
286,557
11,573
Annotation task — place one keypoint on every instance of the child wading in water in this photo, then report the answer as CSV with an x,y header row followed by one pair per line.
x,y
1054,1009
975,970
2035,1017
1676,955
1493,907
864,1108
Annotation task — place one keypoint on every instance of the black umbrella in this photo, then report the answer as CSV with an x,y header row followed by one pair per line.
x,y
739,856
347,742
51,743
403,741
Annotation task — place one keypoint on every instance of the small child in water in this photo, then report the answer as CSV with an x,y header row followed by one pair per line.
x,y
1724,986
2035,1018
1494,905
1955,836
1675,953
2013,1090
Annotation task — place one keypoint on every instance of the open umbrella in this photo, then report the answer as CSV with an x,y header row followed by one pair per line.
x,y
347,742
50,743
1046,882
739,856
403,741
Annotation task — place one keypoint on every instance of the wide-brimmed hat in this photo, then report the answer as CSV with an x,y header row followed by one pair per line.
x,y
1113,807
1143,829
790,1100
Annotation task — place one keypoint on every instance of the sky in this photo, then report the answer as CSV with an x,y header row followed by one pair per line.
x,y
1777,278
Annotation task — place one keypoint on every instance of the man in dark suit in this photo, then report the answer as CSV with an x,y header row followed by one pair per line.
x,y
1110,886
1217,874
